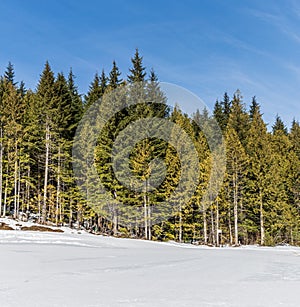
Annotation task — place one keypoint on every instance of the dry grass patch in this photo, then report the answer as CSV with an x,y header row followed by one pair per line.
x,y
40,228
4,226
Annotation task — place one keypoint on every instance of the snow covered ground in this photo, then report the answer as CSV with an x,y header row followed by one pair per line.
x,y
79,269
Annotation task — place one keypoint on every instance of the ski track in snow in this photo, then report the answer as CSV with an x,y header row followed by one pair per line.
x,y
72,269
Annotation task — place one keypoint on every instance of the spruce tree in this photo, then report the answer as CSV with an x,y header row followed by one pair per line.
x,y
13,140
137,72
155,96
9,74
22,89
254,107
46,102
114,79
219,115
94,93
236,176
282,218
226,105
103,82
76,103
295,137
279,126
259,176
238,118
63,104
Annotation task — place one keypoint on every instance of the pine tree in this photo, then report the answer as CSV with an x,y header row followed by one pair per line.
x,y
76,104
46,100
254,107
33,149
219,116
226,106
238,118
222,111
259,176
114,79
103,82
295,163
9,74
282,220
94,94
279,126
155,96
12,139
137,72
236,173
22,89
295,137
63,103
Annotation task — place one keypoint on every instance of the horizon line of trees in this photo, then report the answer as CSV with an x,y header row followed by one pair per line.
x,y
259,202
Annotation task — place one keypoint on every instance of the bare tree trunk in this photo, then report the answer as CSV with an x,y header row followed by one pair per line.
x,y
39,201
5,193
194,233
145,218
229,226
136,228
58,189
149,212
149,223
115,221
19,190
28,190
204,226
145,211
71,214
1,168
217,224
235,209
15,186
44,209
262,227
115,216
180,224
78,218
212,227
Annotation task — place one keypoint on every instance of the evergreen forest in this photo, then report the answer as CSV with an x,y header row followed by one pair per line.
x,y
258,202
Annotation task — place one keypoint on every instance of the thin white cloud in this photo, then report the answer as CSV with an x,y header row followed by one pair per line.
x,y
282,21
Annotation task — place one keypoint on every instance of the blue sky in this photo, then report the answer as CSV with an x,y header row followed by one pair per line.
x,y
207,46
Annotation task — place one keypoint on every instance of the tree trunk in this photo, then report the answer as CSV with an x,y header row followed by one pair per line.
x,y
217,224
115,216
235,209
19,189
149,212
262,227
39,206
212,227
180,224
44,209
71,214
1,169
229,226
145,212
204,225
27,190
5,193
15,186
149,223
57,190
